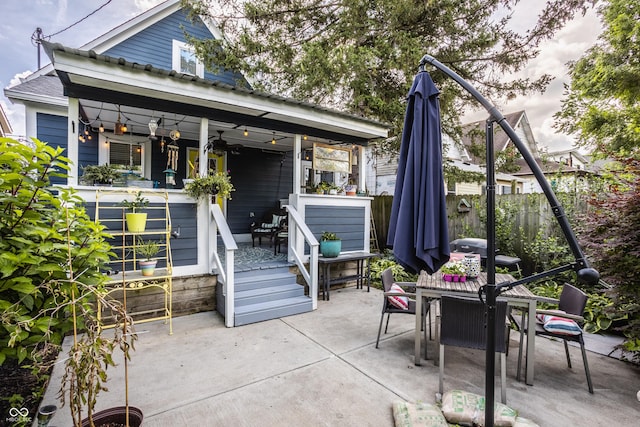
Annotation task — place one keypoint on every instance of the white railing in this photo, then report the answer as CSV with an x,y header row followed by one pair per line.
x,y
218,225
298,228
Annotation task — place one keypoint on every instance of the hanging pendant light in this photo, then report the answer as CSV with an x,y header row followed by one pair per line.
x,y
118,127
273,139
153,126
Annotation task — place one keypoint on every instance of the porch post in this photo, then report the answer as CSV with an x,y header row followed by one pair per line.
x,y
210,245
72,141
361,169
297,163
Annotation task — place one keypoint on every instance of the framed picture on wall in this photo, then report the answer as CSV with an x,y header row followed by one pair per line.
x,y
330,158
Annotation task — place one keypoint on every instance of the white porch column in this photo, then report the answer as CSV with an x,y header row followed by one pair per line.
x,y
206,246
202,152
72,140
297,163
361,169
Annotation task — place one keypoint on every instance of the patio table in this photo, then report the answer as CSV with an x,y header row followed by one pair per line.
x,y
433,286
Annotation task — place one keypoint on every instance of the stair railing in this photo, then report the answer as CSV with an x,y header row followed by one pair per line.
x,y
218,225
297,228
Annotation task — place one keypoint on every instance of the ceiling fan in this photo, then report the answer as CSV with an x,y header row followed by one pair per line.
x,y
220,146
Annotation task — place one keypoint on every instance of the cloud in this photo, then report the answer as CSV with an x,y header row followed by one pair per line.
x,y
568,44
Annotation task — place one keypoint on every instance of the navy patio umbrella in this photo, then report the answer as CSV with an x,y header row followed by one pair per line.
x,y
418,229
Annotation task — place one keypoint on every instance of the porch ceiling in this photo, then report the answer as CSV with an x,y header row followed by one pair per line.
x,y
103,84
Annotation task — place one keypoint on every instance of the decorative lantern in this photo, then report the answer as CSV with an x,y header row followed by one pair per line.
x,y
170,177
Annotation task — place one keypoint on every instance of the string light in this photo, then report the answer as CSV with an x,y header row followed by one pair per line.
x,y
246,132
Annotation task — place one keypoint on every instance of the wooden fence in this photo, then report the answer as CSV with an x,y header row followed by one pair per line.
x,y
519,219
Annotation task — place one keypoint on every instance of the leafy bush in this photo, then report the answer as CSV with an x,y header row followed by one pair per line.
x,y
610,234
378,265
36,222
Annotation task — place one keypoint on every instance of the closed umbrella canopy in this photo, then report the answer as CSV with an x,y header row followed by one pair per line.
x,y
418,230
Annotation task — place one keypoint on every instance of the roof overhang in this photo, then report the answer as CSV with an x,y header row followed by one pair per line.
x,y
87,75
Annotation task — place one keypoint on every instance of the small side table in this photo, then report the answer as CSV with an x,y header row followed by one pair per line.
x,y
363,270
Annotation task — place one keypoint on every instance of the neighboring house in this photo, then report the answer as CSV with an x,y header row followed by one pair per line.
x,y
5,126
563,178
572,158
103,101
382,167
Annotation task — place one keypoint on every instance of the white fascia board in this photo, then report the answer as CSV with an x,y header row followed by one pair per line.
x,y
24,98
84,72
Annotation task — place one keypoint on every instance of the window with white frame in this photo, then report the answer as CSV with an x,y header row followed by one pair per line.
x,y
184,59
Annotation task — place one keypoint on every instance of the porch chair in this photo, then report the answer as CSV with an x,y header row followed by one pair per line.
x,y
267,227
564,324
280,236
398,300
463,323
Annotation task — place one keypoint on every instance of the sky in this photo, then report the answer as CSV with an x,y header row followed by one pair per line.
x,y
18,55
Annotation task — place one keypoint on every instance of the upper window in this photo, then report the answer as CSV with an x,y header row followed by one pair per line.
x,y
184,59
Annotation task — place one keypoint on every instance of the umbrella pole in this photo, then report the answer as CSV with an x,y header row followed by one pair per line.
x,y
490,289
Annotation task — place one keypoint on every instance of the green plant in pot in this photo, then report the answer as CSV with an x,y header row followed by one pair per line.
x,y
136,221
99,174
330,244
53,288
147,250
208,187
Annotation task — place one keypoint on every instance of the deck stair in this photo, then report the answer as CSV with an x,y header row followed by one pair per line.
x,y
265,294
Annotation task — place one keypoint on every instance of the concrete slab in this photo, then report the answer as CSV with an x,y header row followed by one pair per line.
x,y
322,369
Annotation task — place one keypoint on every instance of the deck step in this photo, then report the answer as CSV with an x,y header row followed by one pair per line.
x,y
269,293
272,310
265,294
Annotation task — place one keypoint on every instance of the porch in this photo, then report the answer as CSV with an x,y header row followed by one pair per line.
x,y
322,368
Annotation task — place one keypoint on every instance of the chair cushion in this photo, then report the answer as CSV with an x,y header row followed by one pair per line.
x,y
558,325
397,301
276,220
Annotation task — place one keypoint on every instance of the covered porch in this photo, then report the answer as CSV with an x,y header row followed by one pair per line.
x,y
266,143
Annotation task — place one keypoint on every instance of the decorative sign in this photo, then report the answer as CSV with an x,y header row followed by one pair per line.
x,y
330,158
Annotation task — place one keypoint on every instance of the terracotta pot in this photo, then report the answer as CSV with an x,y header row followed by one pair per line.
x,y
116,415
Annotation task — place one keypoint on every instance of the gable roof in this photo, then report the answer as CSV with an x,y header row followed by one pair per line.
x,y
5,126
91,76
474,133
125,30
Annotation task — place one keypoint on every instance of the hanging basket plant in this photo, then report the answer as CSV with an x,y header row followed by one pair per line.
x,y
214,184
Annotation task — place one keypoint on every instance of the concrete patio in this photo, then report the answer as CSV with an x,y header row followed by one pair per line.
x,y
322,369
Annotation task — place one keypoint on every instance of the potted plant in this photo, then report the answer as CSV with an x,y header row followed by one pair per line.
x,y
136,221
52,291
454,271
330,244
99,174
147,250
351,188
214,184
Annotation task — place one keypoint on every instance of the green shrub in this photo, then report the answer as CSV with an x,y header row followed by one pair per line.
x,y
34,252
378,265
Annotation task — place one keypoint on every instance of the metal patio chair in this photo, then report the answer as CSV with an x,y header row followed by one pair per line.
x,y
388,308
463,323
571,307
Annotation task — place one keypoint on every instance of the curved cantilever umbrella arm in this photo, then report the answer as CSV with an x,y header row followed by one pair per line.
x,y
587,274
581,265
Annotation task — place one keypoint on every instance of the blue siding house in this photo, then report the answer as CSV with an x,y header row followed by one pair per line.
x,y
139,99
